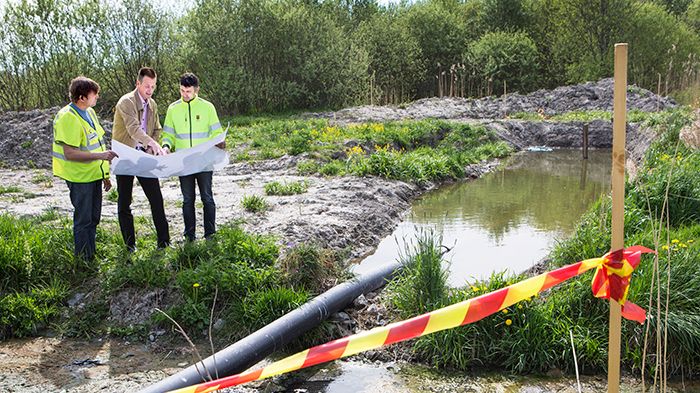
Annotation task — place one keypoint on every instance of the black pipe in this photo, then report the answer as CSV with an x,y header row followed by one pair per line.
x,y
243,354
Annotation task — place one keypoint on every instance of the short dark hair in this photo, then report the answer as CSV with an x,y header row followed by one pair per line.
x,y
189,79
147,72
81,87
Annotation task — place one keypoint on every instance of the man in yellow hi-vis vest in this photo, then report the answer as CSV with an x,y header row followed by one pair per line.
x,y
190,121
81,158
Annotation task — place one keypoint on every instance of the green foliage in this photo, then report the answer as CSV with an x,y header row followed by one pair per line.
x,y
291,188
10,189
254,203
141,269
22,313
112,195
421,285
505,15
88,321
309,267
662,46
692,15
441,36
669,182
395,61
307,167
43,178
506,57
259,308
52,42
288,55
417,151
31,254
271,56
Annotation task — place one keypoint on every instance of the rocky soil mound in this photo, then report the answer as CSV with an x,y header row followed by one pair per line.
x,y
581,97
26,137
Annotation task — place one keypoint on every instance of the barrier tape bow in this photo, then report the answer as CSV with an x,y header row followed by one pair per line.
x,y
611,281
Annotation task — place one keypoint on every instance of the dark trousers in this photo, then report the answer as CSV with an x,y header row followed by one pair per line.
x,y
203,180
151,187
86,199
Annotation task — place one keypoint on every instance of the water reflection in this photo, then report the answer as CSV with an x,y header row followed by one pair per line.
x,y
508,219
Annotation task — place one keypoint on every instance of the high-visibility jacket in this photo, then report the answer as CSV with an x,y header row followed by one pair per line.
x,y
69,128
187,124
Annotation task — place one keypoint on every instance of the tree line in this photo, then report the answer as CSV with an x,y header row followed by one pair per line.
x,y
278,55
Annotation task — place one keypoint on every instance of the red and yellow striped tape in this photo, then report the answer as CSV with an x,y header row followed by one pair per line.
x,y
611,281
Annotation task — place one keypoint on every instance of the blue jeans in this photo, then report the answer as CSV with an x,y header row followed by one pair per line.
x,y
86,199
187,184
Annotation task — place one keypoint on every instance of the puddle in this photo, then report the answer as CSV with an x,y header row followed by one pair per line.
x,y
508,219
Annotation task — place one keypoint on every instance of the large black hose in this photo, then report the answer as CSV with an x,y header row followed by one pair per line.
x,y
243,354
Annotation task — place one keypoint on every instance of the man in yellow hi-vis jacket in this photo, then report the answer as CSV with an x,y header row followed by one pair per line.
x,y
79,155
190,121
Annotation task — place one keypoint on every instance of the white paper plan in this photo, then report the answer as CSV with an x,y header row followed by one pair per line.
x,y
201,158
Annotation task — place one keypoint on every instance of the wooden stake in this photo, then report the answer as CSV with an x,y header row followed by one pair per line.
x,y
584,143
618,205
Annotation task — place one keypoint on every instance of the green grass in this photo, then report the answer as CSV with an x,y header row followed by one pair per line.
x,y
633,116
39,273
283,188
43,178
310,267
10,190
112,195
420,151
254,203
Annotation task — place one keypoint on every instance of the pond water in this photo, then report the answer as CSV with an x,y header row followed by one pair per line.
x,y
508,219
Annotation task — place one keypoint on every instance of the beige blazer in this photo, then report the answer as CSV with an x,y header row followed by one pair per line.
x,y
127,121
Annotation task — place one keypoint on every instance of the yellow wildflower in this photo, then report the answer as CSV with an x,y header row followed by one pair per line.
x,y
520,306
690,241
683,245
475,289
505,311
509,322
675,241
664,247
195,285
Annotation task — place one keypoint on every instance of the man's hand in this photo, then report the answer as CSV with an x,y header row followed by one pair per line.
x,y
108,155
154,148
107,184
221,145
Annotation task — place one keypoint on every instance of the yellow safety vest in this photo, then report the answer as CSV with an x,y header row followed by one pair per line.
x,y
187,124
71,129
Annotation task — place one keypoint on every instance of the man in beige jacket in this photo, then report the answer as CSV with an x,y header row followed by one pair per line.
x,y
136,124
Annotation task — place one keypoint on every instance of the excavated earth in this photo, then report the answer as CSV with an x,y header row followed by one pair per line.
x,y
343,213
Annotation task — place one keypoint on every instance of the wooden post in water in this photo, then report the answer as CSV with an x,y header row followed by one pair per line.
x,y
585,141
618,205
